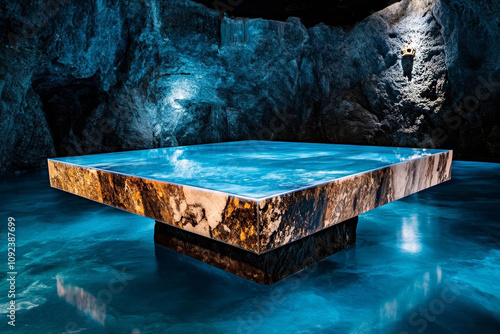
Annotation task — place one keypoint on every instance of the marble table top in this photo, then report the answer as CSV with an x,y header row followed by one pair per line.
x,y
257,195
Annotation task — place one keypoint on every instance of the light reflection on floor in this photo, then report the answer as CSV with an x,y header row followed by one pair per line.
x,y
425,264
82,300
410,237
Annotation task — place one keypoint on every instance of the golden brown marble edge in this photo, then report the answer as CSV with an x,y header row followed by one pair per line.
x,y
50,166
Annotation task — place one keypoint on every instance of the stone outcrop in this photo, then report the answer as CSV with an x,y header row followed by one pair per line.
x,y
96,76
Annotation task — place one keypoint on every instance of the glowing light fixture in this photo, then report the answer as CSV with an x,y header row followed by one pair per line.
x,y
408,51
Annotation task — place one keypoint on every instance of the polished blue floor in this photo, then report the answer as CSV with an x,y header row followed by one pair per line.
x,y
252,168
429,263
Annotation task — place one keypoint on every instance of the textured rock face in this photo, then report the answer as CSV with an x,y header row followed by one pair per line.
x,y
471,37
95,76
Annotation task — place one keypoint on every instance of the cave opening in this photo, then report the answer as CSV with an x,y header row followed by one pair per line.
x,y
67,104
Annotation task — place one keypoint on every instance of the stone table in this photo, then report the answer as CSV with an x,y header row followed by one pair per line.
x,y
262,210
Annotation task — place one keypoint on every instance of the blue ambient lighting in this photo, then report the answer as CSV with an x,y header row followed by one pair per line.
x,y
182,89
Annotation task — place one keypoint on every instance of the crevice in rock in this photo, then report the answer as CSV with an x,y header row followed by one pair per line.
x,y
311,13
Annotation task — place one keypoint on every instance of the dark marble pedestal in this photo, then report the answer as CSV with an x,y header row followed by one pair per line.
x,y
266,268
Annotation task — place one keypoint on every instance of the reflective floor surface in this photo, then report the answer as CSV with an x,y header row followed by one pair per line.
x,y
429,263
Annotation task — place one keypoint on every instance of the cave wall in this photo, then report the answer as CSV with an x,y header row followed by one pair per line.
x,y
99,76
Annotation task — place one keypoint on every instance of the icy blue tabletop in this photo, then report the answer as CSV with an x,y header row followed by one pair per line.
x,y
252,169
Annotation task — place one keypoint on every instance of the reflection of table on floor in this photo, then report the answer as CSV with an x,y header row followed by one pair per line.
x,y
261,210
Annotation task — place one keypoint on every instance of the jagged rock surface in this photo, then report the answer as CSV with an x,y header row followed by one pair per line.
x,y
96,76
